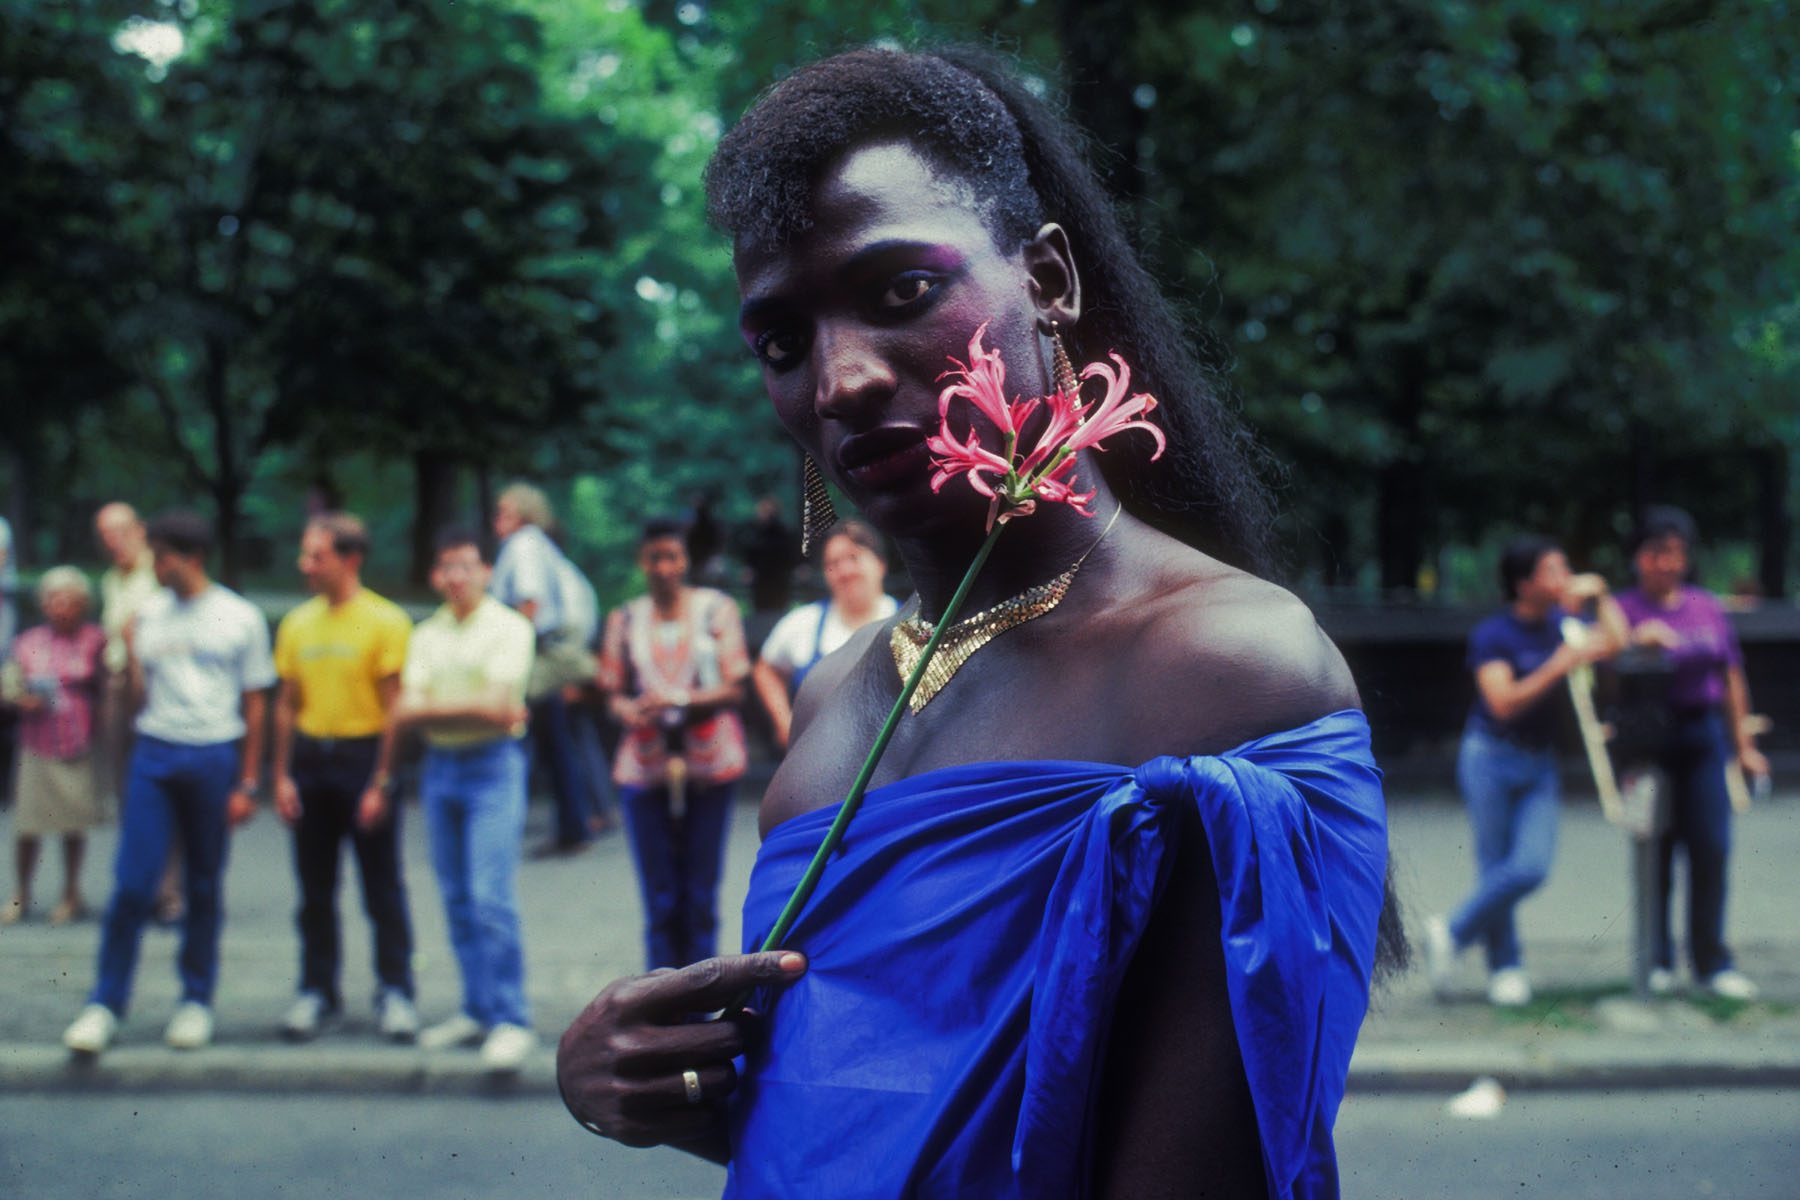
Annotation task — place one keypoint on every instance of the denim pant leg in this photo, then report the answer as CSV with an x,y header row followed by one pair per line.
x,y
653,847
146,827
596,771
1701,823
205,835
495,777
553,738
1513,796
325,816
703,853
447,833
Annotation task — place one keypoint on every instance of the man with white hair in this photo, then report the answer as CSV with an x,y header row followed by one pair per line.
x,y
125,586
533,576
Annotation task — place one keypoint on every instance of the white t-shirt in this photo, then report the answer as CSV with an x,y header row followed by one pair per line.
x,y
199,657
790,645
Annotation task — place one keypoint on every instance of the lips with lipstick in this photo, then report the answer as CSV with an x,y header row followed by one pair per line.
x,y
892,456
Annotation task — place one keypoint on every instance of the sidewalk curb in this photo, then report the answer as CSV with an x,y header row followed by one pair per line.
x,y
1377,1069
1577,1064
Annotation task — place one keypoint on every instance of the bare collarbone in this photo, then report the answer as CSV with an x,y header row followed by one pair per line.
x,y
1195,659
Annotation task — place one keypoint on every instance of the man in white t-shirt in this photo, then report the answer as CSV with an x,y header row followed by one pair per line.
x,y
200,666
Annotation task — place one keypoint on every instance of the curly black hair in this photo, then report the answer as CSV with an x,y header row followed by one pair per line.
x,y
968,112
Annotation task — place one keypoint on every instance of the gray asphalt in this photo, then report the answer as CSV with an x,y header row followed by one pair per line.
x,y
1598,1146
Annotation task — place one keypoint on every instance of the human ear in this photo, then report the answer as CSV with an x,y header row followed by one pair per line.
x,y
1054,283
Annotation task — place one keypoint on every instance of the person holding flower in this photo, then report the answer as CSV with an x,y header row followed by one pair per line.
x,y
1107,921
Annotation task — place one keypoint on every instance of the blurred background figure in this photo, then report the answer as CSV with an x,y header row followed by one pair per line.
x,y
1507,764
9,624
339,656
673,664
534,576
55,678
771,551
855,566
1708,725
705,541
128,581
200,665
463,688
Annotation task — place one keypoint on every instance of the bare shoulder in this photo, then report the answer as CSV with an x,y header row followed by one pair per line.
x,y
831,671
1226,657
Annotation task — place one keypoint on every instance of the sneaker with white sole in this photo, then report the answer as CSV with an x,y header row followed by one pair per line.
x,y
507,1047
191,1027
1732,984
1662,981
1509,987
92,1029
395,1016
460,1030
1440,955
307,1017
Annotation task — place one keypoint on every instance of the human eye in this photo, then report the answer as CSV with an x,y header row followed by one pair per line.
x,y
908,290
779,347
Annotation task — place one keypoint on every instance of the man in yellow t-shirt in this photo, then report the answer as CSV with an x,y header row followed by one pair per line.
x,y
339,656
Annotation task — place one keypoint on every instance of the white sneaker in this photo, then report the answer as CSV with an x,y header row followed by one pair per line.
x,y
1440,954
507,1047
306,1018
460,1030
396,1017
92,1030
1662,981
191,1027
1509,987
1732,984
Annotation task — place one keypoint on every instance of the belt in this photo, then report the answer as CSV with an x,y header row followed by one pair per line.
x,y
333,745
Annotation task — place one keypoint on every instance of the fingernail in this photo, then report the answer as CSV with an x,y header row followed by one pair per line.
x,y
791,963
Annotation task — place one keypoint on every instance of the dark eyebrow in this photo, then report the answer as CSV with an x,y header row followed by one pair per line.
x,y
763,309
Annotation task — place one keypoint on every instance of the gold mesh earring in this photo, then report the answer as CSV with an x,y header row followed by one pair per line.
x,y
817,513
1060,368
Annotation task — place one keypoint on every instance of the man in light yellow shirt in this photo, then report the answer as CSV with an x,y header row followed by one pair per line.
x,y
339,656
464,689
125,586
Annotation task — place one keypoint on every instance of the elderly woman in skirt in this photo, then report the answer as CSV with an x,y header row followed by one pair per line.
x,y
55,680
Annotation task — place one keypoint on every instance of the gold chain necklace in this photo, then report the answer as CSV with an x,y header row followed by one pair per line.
x,y
970,634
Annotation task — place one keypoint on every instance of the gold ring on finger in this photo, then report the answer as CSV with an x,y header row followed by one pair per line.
x,y
690,1081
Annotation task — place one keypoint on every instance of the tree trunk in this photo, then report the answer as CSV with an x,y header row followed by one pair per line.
x,y
1773,527
434,507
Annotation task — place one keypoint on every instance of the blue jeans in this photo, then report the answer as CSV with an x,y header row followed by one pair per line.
x,y
474,801
567,746
1694,760
1513,795
171,791
678,865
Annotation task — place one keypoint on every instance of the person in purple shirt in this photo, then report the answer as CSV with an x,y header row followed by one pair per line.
x,y
1506,766
1708,709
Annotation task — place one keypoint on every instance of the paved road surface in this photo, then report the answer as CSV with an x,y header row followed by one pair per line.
x,y
1590,1146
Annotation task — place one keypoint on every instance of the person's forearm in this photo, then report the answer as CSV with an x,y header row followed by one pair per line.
x,y
1737,709
463,716
255,712
772,690
282,752
1515,699
1611,620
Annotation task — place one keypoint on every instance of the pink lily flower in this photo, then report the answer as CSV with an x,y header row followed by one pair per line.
x,y
1015,482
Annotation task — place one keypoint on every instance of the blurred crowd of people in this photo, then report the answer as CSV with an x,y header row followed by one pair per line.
x,y
175,713
172,710
1557,624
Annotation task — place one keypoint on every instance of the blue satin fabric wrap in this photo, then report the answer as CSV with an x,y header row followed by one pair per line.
x,y
967,944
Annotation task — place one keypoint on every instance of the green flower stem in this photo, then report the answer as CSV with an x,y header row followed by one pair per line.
x,y
810,881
